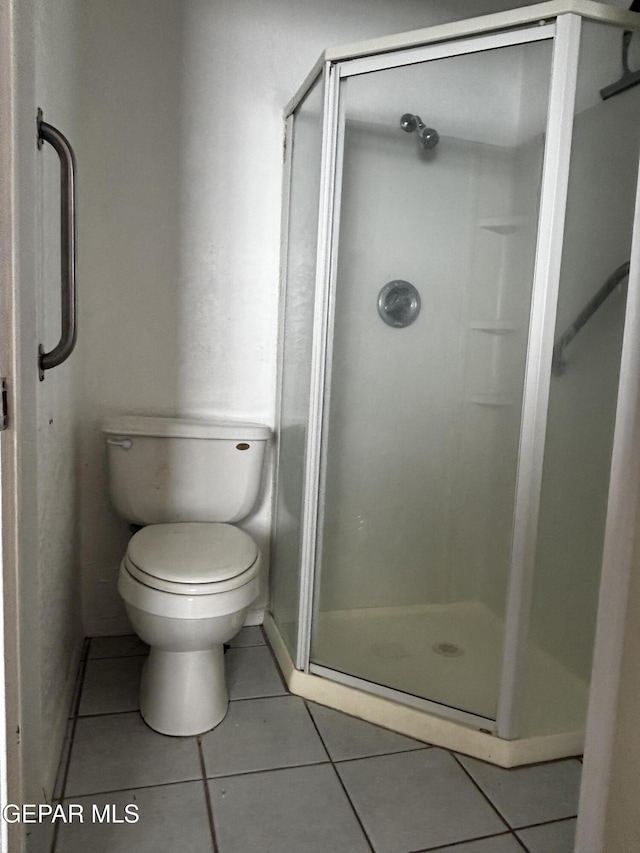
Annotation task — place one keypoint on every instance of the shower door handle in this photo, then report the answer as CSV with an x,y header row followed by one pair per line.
x,y
64,347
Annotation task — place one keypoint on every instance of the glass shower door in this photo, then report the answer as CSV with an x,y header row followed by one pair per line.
x,y
439,187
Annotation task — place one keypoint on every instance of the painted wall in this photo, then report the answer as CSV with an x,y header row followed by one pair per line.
x,y
622,828
57,84
181,162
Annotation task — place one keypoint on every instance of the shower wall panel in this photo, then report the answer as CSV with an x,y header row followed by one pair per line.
x,y
395,391
494,341
424,421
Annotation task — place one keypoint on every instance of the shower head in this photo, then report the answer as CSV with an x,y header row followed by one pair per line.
x,y
409,122
428,137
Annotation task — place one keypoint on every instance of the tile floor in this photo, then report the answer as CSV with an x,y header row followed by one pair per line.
x,y
283,775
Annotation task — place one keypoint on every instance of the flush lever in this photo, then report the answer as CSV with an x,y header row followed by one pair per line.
x,y
124,443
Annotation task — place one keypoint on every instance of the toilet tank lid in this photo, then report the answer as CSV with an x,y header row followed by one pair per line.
x,y
185,428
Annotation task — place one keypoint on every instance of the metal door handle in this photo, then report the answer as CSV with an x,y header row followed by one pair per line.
x,y
64,347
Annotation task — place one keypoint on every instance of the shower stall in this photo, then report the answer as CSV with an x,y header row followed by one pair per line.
x,y
458,221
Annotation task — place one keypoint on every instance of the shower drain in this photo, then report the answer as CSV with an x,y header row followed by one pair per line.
x,y
448,650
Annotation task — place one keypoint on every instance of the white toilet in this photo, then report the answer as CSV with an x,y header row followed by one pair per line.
x,y
189,578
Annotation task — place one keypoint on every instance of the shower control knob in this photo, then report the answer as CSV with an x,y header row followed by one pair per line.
x,y
398,303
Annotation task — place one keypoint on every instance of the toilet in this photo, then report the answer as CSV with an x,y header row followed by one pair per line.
x,y
189,576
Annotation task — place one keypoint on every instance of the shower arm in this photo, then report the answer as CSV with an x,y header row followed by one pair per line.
x,y
617,277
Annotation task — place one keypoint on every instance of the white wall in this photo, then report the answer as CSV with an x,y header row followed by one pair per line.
x,y
622,833
180,196
57,82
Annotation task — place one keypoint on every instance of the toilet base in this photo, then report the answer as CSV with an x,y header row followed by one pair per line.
x,y
184,693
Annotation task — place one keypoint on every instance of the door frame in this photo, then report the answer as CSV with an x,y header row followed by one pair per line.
x,y
17,71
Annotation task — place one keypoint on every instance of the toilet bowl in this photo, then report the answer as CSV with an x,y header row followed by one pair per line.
x,y
187,589
189,577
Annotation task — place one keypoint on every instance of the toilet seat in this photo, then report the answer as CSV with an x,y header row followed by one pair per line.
x,y
192,558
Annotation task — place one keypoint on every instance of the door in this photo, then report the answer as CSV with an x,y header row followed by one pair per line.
x,y
438,194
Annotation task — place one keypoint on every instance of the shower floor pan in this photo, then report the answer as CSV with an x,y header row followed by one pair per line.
x,y
447,653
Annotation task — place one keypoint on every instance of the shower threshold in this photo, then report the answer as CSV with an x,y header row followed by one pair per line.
x,y
437,651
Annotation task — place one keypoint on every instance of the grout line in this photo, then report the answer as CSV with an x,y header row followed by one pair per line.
x,y
362,757
195,779
74,721
381,754
353,808
75,705
261,696
207,795
84,661
456,844
351,716
119,657
107,713
417,749
545,822
270,769
319,733
462,767
342,785
520,842
133,788
513,830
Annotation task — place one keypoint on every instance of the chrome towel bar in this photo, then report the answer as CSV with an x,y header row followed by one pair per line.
x,y
64,347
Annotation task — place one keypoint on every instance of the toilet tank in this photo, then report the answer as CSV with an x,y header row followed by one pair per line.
x,y
164,470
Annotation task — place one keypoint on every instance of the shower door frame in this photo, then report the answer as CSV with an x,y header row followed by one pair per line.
x,y
564,29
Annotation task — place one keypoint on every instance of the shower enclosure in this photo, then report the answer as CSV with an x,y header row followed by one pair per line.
x,y
458,224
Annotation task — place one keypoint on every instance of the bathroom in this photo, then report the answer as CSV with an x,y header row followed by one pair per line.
x,y
175,112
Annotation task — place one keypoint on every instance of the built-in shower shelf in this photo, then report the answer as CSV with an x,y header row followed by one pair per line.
x,y
502,224
494,327
495,401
